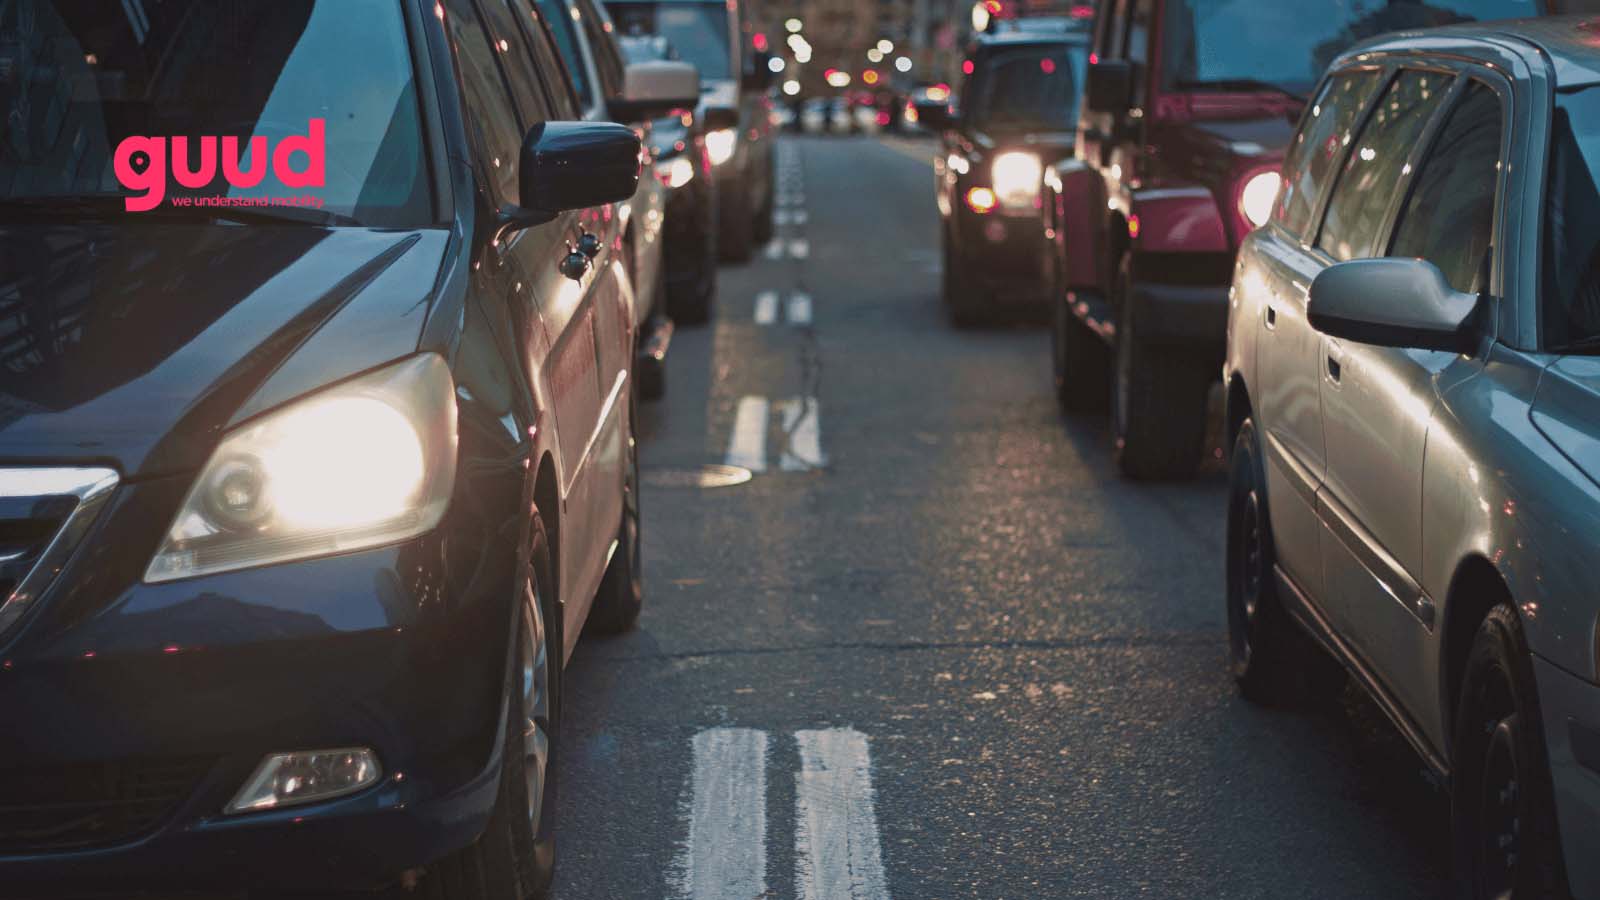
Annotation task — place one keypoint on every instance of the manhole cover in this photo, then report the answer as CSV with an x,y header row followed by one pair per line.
x,y
698,477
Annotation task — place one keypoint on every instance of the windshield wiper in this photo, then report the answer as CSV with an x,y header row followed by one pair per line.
x,y
107,206
1242,84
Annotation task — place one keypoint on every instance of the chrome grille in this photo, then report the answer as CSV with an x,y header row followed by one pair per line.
x,y
44,514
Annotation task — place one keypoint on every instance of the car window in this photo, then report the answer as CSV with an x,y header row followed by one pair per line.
x,y
1026,88
699,31
1361,197
516,62
1449,218
1137,43
602,39
547,62
491,114
1319,143
1571,276
565,31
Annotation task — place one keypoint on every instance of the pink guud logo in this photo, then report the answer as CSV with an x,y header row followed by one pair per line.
x,y
141,164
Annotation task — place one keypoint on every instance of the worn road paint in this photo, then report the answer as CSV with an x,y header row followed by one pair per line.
x,y
836,844
799,248
726,855
802,422
800,309
747,446
767,307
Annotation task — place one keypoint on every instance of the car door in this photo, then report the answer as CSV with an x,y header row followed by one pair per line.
x,y
1288,350
1378,402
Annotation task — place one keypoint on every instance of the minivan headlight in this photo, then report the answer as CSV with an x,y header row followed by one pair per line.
x,y
1017,176
364,463
720,145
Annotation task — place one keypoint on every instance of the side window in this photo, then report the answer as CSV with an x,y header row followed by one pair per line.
x,y
506,37
1360,199
490,111
1449,218
602,39
1319,144
1116,30
558,15
547,62
1138,46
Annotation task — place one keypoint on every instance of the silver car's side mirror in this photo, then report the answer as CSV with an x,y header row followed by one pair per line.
x,y
1392,302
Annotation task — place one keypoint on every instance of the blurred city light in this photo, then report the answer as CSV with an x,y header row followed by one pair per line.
x,y
886,46
903,64
776,64
870,76
794,26
837,78
791,87
875,55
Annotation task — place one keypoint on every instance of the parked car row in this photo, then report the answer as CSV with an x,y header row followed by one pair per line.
x,y
1385,248
319,460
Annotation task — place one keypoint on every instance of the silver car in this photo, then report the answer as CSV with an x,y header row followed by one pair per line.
x,y
1413,376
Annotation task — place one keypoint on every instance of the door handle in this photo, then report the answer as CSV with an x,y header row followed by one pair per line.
x,y
574,265
1335,369
589,245
1272,316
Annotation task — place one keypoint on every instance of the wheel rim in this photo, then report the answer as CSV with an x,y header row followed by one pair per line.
x,y
1499,821
1247,569
535,706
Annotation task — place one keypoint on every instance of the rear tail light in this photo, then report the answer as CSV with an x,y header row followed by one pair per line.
x,y
981,200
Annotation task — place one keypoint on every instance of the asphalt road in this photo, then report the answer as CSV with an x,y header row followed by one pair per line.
x,y
937,649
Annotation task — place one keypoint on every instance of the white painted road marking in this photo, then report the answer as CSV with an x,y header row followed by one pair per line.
x,y
799,248
726,857
836,848
747,446
775,250
800,309
767,307
802,423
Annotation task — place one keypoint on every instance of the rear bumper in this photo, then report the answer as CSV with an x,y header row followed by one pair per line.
x,y
385,648
1571,709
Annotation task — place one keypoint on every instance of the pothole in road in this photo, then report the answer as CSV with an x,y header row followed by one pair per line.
x,y
707,476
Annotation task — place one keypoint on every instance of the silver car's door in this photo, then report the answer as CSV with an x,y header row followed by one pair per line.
x,y
1378,402
1288,349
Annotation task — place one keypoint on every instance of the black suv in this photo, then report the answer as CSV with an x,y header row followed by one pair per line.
x,y
1017,111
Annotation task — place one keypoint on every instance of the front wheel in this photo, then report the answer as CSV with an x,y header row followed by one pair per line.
x,y
1158,400
514,859
1503,824
1272,660
1082,365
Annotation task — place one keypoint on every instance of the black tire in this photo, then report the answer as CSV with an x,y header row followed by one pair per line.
x,y
735,239
1158,400
692,301
621,596
1082,362
514,859
1272,660
1503,822
961,299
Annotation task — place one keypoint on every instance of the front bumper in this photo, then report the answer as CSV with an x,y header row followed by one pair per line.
x,y
198,680
1571,710
1007,255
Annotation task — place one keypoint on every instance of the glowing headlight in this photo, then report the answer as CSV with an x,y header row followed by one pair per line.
x,y
720,144
675,173
364,463
1016,179
1256,200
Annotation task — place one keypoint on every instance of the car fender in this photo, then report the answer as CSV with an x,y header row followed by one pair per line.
x,y
1176,219
1079,205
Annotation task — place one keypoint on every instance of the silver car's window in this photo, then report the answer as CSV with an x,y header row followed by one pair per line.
x,y
1361,196
1449,218
1319,143
1571,293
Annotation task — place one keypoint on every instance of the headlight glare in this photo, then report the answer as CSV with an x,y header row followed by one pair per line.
x,y
720,145
364,463
676,172
1258,196
1017,176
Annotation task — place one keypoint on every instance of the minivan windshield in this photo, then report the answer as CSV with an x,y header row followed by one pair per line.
x,y
698,31
1571,278
1250,45
1027,88
80,77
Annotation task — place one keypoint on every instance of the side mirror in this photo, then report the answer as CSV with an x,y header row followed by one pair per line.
x,y
718,118
759,78
1110,86
936,116
655,89
1392,302
576,165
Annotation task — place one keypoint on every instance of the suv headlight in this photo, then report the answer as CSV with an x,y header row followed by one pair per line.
x,y
364,463
1257,196
720,145
1017,176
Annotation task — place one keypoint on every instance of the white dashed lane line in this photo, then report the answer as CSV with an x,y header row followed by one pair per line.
x,y
726,855
747,446
836,844
800,309
799,248
802,422
767,308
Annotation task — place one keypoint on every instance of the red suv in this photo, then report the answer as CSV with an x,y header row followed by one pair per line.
x,y
1188,109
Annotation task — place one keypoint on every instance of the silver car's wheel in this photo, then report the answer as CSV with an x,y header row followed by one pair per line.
x,y
535,698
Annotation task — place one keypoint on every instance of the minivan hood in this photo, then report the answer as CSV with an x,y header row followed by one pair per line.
x,y
135,343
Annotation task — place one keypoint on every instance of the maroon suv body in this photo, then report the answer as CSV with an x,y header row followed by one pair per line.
x,y
1189,107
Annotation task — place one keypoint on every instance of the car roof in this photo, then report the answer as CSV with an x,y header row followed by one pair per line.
x,y
1035,30
1571,43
